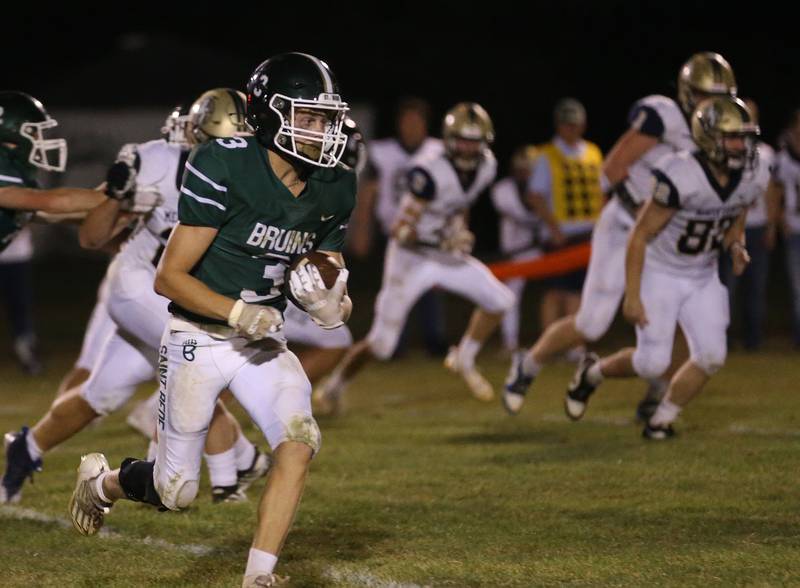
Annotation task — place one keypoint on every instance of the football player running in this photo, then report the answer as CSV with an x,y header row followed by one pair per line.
x,y
129,354
248,207
698,207
658,126
431,247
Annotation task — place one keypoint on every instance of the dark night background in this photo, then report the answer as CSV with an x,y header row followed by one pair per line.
x,y
607,54
516,60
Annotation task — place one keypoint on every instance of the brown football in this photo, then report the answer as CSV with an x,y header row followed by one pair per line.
x,y
328,268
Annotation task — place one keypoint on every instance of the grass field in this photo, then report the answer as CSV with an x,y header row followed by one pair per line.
x,y
419,485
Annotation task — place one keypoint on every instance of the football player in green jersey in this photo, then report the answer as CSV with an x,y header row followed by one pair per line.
x,y
249,206
23,150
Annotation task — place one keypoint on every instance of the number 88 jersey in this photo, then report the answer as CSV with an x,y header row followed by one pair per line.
x,y
690,243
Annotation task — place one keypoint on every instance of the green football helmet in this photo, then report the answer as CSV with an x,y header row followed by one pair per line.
x,y
286,96
23,122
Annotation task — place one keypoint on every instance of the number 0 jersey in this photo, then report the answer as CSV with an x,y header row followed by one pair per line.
x,y
689,244
229,185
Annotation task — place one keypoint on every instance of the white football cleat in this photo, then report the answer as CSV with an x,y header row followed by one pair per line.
x,y
86,509
477,384
264,581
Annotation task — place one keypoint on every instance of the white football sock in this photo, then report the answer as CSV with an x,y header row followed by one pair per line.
x,y
467,350
33,448
260,562
530,367
245,453
665,414
593,375
222,468
98,485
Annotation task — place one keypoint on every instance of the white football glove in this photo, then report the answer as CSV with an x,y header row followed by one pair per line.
x,y
457,237
328,308
254,321
142,201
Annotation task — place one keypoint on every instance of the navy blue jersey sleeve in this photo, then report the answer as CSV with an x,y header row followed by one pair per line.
x,y
646,120
664,191
420,183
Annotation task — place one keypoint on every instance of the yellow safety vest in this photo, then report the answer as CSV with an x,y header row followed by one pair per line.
x,y
576,193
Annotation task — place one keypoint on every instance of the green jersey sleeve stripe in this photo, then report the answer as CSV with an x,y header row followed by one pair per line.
x,y
11,179
206,179
188,192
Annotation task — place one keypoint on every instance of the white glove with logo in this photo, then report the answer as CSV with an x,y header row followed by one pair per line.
x,y
142,201
328,308
254,321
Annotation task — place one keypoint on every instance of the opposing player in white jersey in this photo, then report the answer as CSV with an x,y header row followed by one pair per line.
x,y
658,127
521,231
699,206
429,248
100,325
129,356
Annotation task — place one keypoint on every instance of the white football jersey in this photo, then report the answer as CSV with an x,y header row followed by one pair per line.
x,y
390,161
520,227
690,242
434,179
660,117
787,174
160,168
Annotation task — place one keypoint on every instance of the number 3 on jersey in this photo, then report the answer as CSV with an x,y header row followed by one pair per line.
x,y
233,143
702,236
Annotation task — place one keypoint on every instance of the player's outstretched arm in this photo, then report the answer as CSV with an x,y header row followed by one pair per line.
x,y
55,201
652,219
186,246
103,223
625,152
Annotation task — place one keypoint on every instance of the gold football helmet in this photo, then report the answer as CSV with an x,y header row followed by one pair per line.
x,y
706,74
720,118
217,113
467,121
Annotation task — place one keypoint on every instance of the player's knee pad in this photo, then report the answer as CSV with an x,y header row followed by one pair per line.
x,y
302,428
649,364
177,492
136,479
709,361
